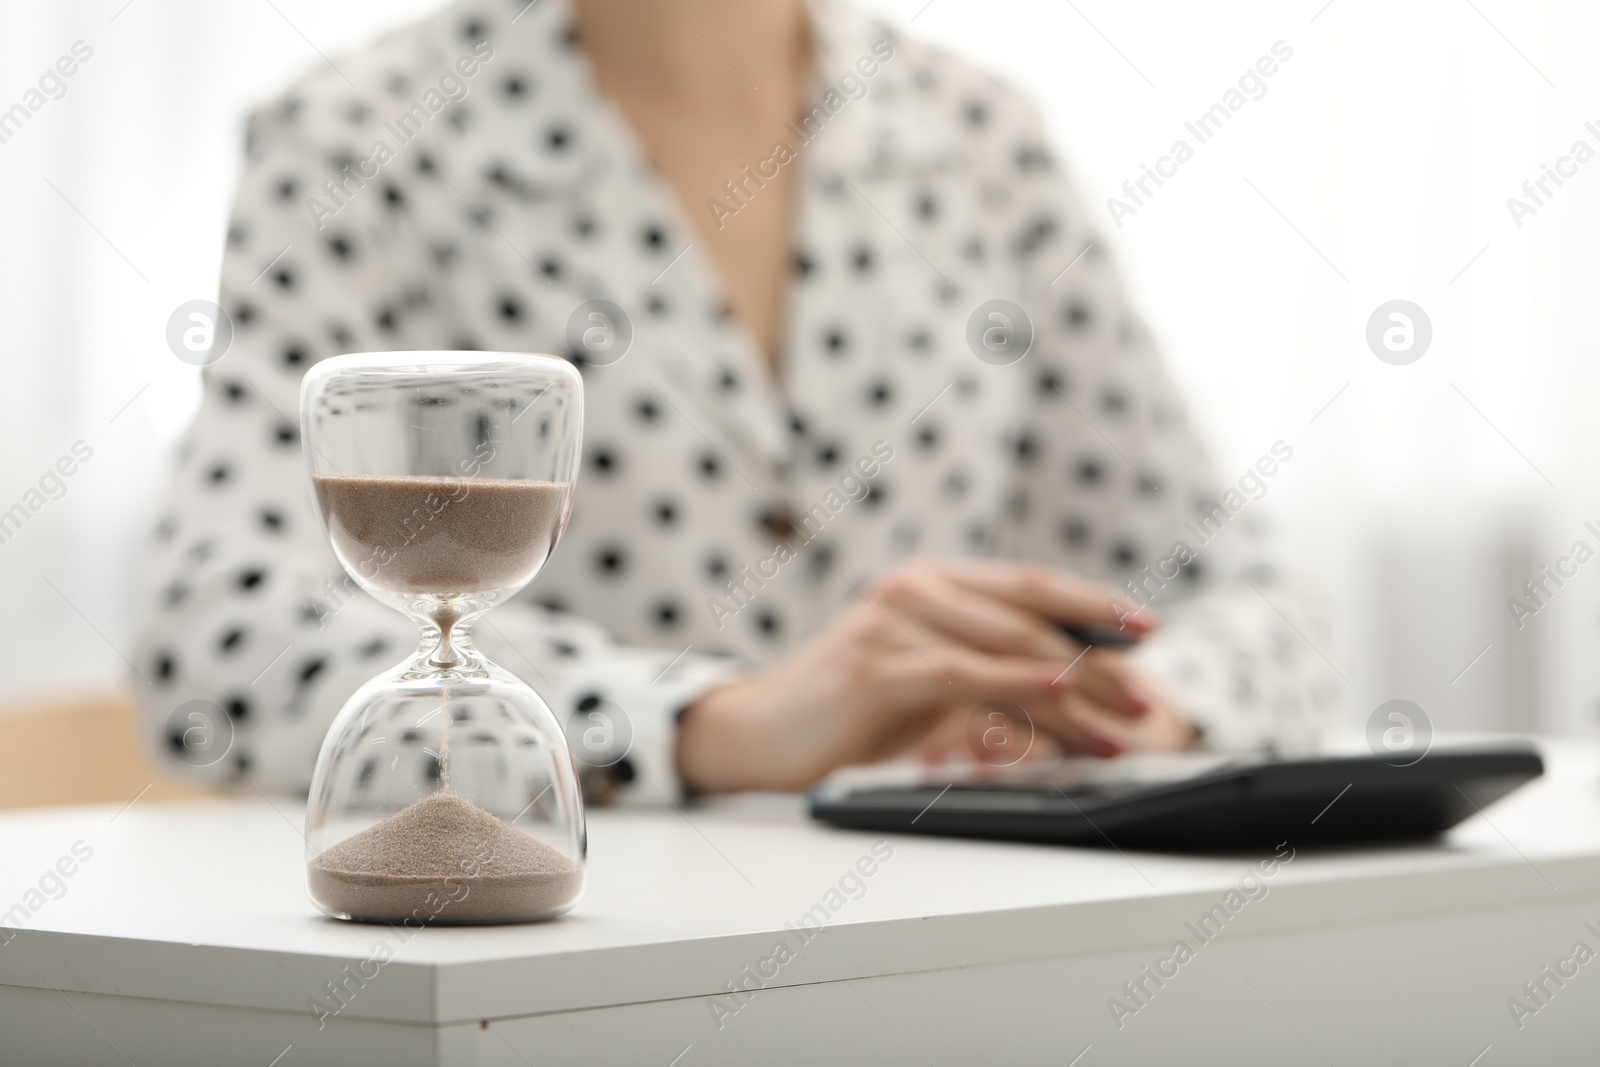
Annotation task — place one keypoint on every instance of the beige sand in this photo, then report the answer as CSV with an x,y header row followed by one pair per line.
x,y
442,535
444,860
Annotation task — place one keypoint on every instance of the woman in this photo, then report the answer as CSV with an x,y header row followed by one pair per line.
x,y
835,498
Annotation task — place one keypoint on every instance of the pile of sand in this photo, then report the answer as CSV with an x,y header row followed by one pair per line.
x,y
398,868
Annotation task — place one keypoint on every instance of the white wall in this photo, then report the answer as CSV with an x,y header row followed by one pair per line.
x,y
1390,142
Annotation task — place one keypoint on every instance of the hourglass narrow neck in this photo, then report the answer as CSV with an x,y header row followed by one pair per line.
x,y
446,639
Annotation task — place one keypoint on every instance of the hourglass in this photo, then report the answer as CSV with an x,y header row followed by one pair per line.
x,y
445,791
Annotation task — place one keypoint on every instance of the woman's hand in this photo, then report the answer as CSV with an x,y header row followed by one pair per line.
x,y
928,640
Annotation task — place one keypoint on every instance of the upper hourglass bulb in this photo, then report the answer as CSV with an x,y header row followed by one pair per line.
x,y
445,791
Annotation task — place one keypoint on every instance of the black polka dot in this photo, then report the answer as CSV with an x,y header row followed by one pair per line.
x,y
293,355
611,561
219,473
587,702
835,341
372,648
654,237
311,669
287,434
340,246
272,520
646,409
166,667
710,466
605,461
250,579
1090,471
667,614
666,512
231,640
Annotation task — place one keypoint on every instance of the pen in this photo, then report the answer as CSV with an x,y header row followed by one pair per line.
x,y
1100,636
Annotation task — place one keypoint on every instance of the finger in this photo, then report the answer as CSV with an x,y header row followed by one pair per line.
x,y
942,674
900,735
973,617
1110,679
1054,594
1165,729
947,738
1078,725
999,734
1110,730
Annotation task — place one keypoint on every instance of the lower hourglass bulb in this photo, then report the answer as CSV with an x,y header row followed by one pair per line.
x,y
445,791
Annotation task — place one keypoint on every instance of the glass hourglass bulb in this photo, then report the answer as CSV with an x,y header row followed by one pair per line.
x,y
445,791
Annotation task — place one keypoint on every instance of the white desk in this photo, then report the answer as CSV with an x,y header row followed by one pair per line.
x,y
187,938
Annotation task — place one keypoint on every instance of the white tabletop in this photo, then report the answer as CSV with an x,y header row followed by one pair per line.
x,y
204,902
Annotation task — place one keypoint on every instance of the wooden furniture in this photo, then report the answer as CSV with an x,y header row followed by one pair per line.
x,y
79,751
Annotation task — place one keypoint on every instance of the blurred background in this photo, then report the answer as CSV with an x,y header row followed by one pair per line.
x,y
1376,166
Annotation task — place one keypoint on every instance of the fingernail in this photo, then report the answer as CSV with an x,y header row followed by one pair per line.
x,y
1144,620
1133,700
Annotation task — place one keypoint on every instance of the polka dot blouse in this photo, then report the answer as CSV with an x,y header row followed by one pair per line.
x,y
463,185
